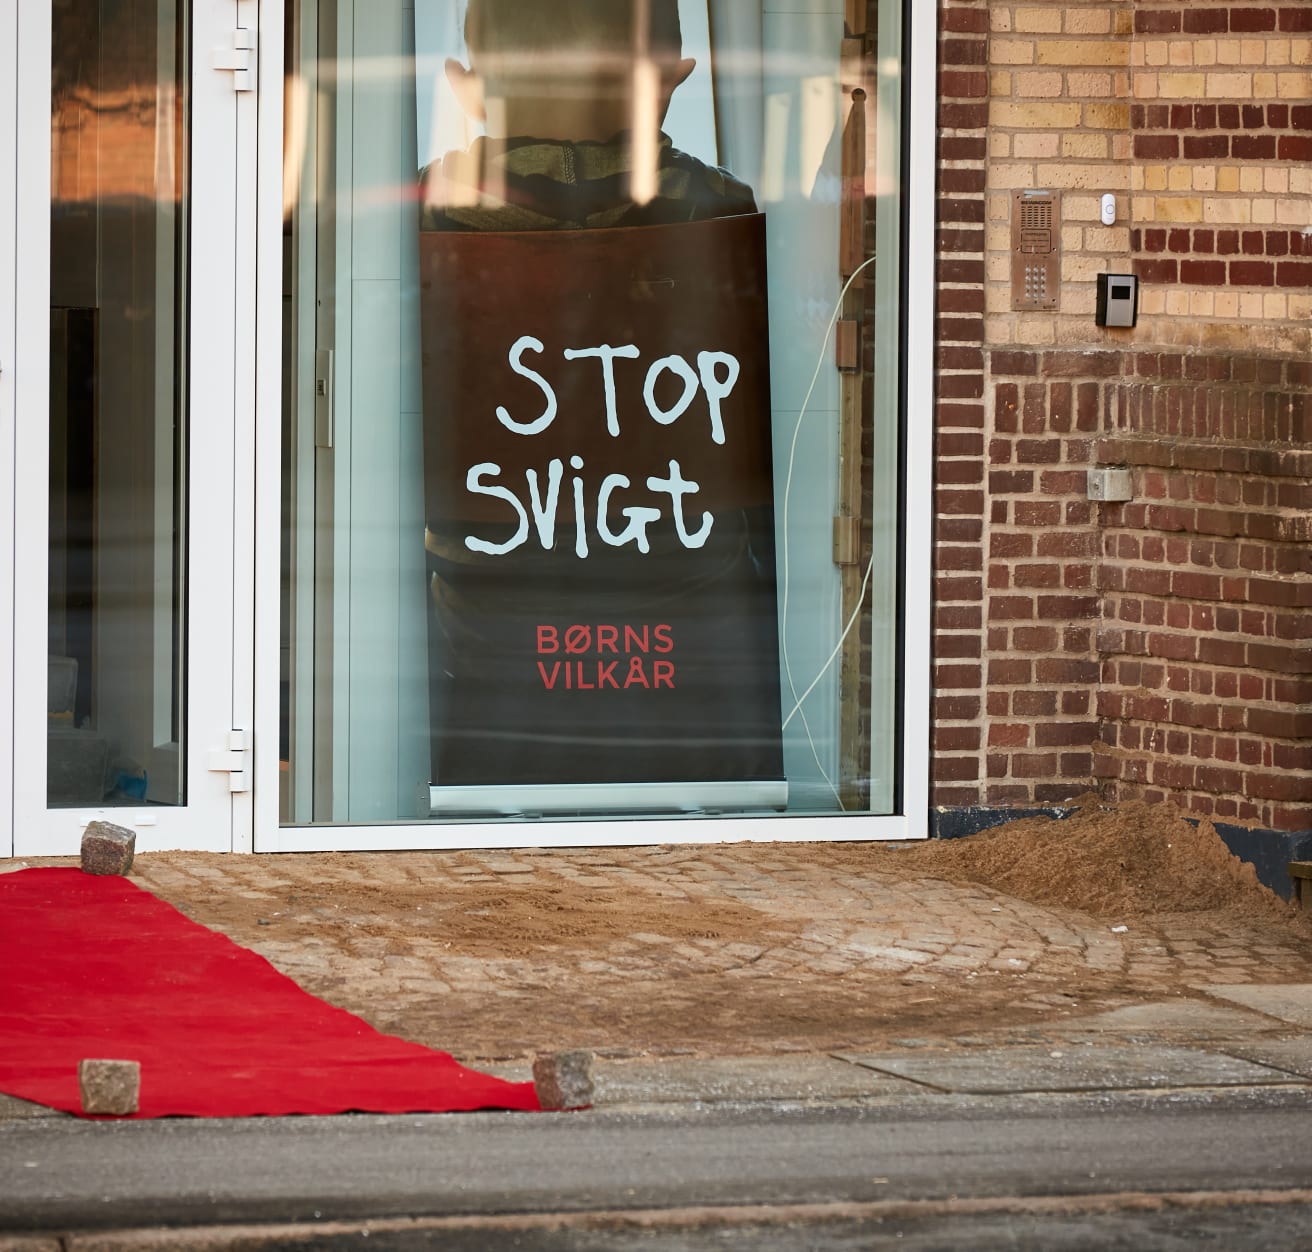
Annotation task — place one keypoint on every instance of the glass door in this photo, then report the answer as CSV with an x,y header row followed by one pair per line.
x,y
132,291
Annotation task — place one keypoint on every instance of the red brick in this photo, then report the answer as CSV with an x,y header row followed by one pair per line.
x,y
960,473
1177,775
1064,734
1246,148
1293,757
963,116
956,708
1034,703
1034,639
959,443
963,51
972,20
949,589
1045,575
1246,21
1156,271
1280,591
1217,779
1280,723
958,239
1161,148
1280,660
957,738
1214,651
1290,817
1156,21
1202,273
1173,647
1034,765
958,558
1010,544
1294,273
962,148
962,416
1252,274
959,502
961,209
1011,482
962,181
955,768
1196,147
1011,608
1287,787
1003,362
954,797
1038,513
963,84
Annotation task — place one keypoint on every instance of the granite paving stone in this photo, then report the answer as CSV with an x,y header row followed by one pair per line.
x,y
1290,1002
1294,1056
1196,1019
997,1071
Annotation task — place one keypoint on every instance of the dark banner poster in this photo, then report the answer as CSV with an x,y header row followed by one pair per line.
x,y
600,507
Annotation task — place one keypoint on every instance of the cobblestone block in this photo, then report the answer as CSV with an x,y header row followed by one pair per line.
x,y
564,1079
107,849
110,1087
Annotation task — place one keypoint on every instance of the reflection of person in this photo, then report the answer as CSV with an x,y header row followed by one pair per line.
x,y
562,89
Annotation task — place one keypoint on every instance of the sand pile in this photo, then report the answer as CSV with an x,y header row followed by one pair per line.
x,y
1123,861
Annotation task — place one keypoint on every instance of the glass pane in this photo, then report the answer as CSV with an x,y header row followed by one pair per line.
x,y
592,435
118,510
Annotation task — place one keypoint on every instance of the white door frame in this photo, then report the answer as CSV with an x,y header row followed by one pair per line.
x,y
912,821
9,87
221,312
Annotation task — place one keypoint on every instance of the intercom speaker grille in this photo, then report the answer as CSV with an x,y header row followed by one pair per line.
x,y
1035,250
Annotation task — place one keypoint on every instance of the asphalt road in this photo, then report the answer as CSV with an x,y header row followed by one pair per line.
x,y
61,1175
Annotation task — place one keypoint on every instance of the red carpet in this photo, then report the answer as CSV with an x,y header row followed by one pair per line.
x,y
97,967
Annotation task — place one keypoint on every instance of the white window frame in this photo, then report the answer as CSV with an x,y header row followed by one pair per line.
x,y
9,88
911,822
219,622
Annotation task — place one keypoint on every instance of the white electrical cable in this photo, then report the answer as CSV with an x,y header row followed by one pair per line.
x,y
788,490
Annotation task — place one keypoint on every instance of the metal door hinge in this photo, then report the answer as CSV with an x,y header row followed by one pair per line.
x,y
240,59
233,760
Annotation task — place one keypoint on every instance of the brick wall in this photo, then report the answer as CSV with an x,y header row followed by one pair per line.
x,y
960,410
1206,691
1155,648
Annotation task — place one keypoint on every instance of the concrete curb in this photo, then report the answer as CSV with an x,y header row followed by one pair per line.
x,y
327,1235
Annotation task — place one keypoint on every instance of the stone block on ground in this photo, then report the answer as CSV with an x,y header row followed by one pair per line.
x,y
107,849
111,1088
564,1080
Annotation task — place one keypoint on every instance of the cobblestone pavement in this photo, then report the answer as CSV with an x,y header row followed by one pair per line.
x,y
720,950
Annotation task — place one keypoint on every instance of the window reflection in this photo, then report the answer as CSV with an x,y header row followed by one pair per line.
x,y
513,130
117,423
